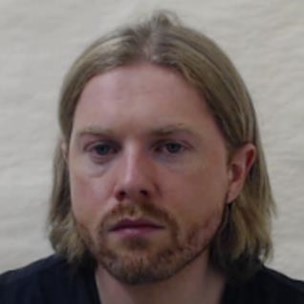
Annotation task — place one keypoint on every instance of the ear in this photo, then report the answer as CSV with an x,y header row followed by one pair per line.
x,y
238,169
64,150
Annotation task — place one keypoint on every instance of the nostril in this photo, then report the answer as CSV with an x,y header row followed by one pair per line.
x,y
144,192
121,195
125,194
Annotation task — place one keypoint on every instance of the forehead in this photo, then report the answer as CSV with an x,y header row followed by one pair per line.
x,y
141,79
143,96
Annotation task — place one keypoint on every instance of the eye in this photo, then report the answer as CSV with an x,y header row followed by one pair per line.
x,y
173,148
170,148
103,149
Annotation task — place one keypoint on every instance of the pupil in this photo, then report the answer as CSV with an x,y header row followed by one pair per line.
x,y
173,148
102,149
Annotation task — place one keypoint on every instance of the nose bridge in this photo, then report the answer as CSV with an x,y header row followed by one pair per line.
x,y
134,172
133,163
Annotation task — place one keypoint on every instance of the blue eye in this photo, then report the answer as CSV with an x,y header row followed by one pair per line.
x,y
104,149
169,148
173,148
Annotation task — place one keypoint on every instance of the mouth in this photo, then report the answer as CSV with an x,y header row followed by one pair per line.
x,y
139,225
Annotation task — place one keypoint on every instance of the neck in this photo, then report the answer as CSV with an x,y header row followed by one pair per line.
x,y
197,283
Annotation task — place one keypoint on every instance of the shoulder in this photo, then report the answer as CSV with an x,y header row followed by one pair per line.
x,y
49,266
269,286
275,278
34,283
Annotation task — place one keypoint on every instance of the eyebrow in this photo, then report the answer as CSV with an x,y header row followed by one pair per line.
x,y
167,130
94,130
173,129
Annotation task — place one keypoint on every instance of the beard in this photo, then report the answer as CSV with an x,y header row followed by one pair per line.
x,y
140,260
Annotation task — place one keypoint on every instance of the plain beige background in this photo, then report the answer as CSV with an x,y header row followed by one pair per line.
x,y
39,41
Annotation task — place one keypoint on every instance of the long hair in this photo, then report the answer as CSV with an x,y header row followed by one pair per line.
x,y
163,40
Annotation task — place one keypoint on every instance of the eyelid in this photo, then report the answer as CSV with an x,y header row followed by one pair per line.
x,y
90,147
163,143
90,142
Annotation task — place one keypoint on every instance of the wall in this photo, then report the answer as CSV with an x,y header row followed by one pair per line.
x,y
39,41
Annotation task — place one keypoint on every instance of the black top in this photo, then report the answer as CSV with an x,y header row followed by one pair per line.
x,y
54,281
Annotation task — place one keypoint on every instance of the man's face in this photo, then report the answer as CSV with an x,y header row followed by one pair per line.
x,y
148,172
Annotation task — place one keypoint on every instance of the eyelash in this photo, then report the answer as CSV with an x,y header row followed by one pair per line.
x,y
112,148
170,144
162,147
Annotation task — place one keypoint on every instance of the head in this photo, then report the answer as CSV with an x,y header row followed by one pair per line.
x,y
241,233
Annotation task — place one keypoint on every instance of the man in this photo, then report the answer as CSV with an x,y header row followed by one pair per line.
x,y
161,192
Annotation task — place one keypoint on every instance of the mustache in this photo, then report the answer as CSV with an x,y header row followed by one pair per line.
x,y
144,209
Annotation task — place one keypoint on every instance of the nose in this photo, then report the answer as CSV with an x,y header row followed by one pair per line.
x,y
135,177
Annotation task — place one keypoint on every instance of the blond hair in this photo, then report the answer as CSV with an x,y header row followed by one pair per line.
x,y
163,40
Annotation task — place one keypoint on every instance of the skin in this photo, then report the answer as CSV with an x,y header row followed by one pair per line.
x,y
144,146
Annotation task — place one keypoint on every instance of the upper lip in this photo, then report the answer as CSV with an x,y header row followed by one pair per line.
x,y
135,223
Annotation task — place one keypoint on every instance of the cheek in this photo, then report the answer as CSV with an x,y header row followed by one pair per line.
x,y
198,187
197,195
88,197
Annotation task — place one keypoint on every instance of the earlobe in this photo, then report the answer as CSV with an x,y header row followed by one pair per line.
x,y
239,167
